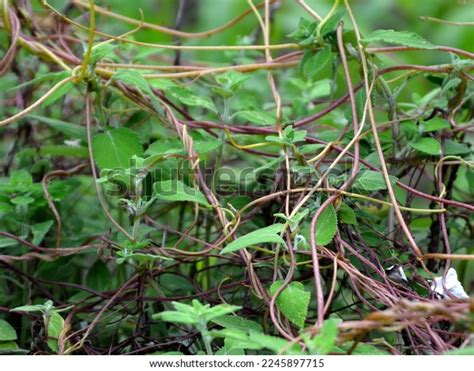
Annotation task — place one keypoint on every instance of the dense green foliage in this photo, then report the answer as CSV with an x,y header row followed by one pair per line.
x,y
243,190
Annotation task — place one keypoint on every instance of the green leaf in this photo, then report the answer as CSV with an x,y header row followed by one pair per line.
x,y
135,79
314,64
71,130
268,234
404,38
53,77
455,148
273,343
39,231
467,351
22,200
326,226
371,180
427,145
435,124
100,51
346,215
332,22
231,80
175,190
189,98
177,317
55,326
7,332
293,301
237,323
63,90
29,308
99,277
256,116
325,341
115,148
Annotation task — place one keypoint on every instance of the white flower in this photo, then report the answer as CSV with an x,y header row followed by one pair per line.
x,y
73,143
452,285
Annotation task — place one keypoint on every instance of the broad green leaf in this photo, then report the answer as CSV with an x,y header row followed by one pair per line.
x,y
135,79
177,317
325,341
256,116
237,323
39,231
268,234
427,145
189,98
455,148
115,148
55,326
371,180
435,124
21,180
219,311
100,51
22,200
175,190
317,62
7,332
71,130
274,343
346,215
326,226
404,38
293,301
332,22
231,79
99,277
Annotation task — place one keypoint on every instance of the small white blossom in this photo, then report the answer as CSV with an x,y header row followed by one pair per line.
x,y
452,285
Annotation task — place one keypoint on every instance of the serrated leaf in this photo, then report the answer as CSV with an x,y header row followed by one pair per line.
x,y
404,38
371,180
293,301
325,341
100,51
135,79
258,117
115,148
427,145
7,332
268,234
231,80
189,98
317,62
326,226
346,215
175,190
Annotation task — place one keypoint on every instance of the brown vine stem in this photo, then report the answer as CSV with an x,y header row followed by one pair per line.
x,y
94,171
378,146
